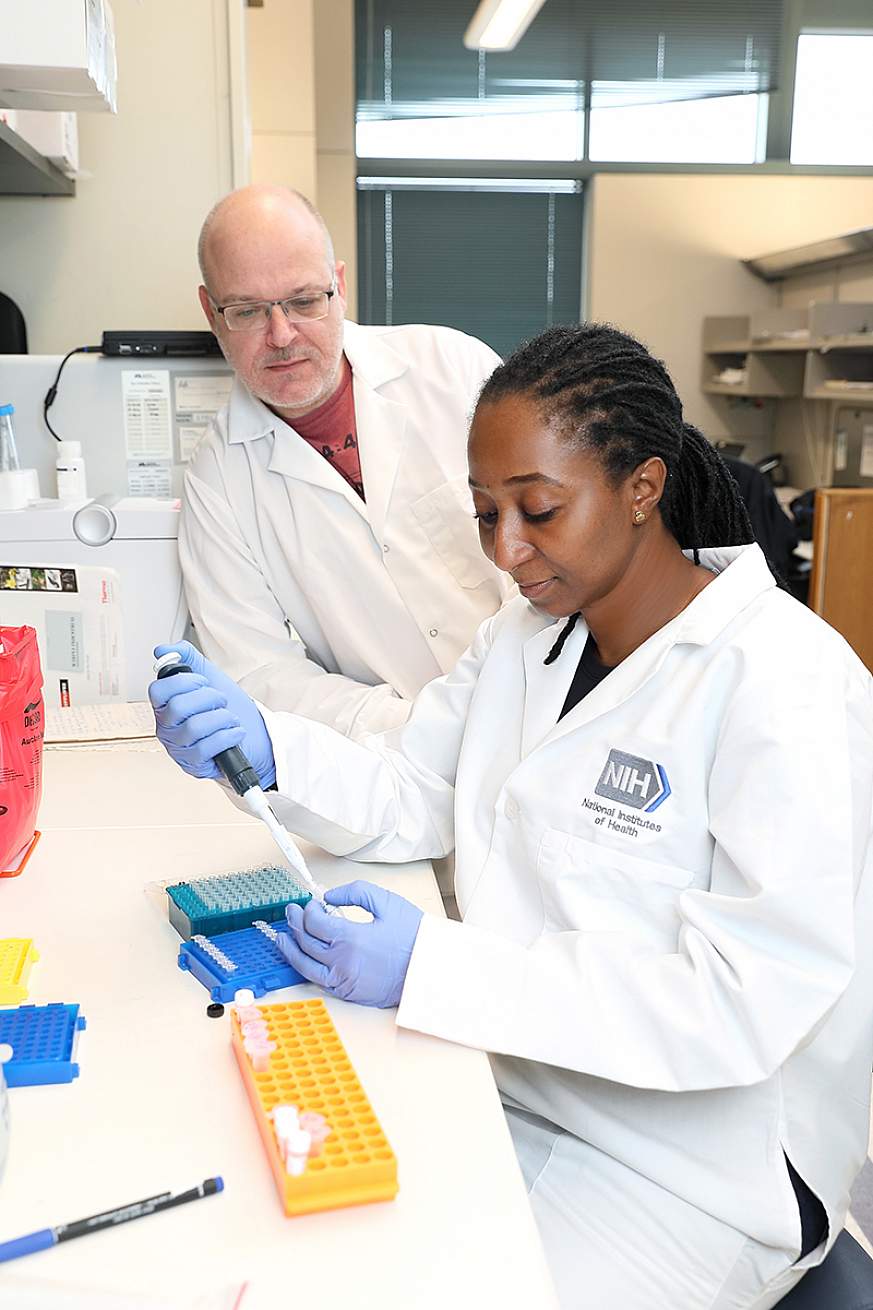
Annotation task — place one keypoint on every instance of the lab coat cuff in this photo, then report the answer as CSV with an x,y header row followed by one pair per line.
x,y
290,802
280,755
463,984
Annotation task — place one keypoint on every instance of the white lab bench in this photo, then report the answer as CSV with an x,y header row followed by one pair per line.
x,y
159,1103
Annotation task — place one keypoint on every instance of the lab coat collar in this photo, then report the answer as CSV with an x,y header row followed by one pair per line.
x,y
381,421
372,358
373,364
381,427
247,417
742,576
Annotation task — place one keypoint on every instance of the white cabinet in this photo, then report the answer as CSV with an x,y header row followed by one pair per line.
x,y
57,54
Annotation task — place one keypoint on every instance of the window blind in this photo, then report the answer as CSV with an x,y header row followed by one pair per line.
x,y
411,61
499,263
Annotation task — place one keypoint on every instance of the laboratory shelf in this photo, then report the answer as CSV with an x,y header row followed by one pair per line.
x,y
768,376
854,395
780,346
820,351
818,255
848,341
727,334
839,375
726,388
25,172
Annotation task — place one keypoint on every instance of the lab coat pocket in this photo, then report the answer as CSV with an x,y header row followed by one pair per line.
x,y
447,517
590,887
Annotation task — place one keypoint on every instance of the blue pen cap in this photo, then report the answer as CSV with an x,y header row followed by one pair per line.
x,y
39,1241
7,409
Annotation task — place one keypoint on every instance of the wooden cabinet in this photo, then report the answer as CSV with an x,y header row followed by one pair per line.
x,y
841,585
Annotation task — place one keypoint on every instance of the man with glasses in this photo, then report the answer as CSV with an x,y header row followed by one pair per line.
x,y
330,554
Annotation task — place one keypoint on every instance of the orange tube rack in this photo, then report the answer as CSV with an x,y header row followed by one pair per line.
x,y
309,1068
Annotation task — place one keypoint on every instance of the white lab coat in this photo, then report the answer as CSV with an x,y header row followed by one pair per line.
x,y
313,600
686,984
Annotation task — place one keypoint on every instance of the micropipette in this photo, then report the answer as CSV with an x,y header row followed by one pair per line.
x,y
235,766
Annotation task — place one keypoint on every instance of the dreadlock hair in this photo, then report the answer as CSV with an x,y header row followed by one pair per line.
x,y
607,394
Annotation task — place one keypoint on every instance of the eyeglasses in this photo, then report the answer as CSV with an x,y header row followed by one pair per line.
x,y
257,313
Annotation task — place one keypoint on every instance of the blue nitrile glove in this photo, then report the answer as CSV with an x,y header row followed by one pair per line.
x,y
204,712
362,962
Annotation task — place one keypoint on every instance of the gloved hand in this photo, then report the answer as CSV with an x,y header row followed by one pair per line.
x,y
361,962
202,713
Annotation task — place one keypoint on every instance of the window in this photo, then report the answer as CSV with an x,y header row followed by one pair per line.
x,y
833,99
422,95
718,130
487,131
500,259
619,81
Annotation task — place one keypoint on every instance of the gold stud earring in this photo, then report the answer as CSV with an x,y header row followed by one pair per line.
x,y
639,517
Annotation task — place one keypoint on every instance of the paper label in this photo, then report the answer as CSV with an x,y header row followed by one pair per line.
x,y
148,422
866,469
77,616
149,477
24,577
198,398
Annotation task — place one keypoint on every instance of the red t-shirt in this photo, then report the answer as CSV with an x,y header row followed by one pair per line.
x,y
332,431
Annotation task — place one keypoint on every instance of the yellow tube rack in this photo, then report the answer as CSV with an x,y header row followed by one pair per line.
x,y
309,1068
17,955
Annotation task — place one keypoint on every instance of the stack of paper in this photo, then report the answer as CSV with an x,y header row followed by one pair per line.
x,y
93,725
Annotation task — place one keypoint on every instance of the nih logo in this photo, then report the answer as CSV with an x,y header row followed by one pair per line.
x,y
633,781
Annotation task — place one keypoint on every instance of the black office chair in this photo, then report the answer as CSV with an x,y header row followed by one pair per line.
x,y
774,531
13,333
843,1281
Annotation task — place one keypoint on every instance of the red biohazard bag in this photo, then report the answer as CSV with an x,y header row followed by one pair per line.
x,y
21,729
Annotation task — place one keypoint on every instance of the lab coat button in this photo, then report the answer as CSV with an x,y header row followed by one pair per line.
x,y
510,809
434,632
385,549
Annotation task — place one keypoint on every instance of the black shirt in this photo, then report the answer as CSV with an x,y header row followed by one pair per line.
x,y
589,672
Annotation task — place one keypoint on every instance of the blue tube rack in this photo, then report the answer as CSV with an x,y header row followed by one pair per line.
x,y
229,901
43,1040
260,965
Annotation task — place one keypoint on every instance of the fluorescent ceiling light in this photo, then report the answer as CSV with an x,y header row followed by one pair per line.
x,y
500,24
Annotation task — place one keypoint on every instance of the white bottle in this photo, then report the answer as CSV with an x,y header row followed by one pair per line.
x,y
70,467
8,450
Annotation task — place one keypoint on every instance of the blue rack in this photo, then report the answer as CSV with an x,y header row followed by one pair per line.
x,y
260,965
229,901
43,1040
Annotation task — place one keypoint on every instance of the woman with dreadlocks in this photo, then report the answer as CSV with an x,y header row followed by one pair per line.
x,y
656,768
